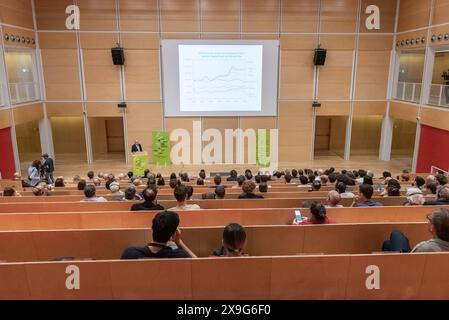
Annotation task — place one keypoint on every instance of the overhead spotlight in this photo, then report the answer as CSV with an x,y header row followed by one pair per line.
x,y
412,42
446,36
423,40
440,37
407,42
28,40
6,36
434,38
402,43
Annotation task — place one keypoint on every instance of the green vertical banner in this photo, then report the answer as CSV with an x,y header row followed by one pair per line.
x,y
140,163
263,148
161,148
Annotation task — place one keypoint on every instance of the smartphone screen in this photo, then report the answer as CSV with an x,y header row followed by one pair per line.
x,y
298,216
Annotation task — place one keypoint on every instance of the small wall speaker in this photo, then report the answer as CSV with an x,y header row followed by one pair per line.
x,y
320,57
118,56
122,105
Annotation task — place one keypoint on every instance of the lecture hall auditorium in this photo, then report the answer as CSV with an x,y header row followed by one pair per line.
x,y
224,149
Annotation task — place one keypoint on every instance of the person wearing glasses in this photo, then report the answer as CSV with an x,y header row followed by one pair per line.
x,y
438,227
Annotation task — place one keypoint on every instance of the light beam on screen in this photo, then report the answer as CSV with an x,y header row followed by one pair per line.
x,y
220,77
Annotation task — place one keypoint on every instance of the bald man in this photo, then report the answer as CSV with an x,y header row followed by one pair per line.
x,y
333,199
136,147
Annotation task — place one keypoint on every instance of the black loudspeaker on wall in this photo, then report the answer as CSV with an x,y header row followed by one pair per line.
x,y
118,56
320,57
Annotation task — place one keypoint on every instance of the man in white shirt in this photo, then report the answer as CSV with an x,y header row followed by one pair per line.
x,y
180,192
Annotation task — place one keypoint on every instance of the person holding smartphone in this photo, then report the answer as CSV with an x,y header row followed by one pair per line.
x,y
318,216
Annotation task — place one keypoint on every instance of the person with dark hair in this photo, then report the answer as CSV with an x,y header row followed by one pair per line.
x,y
9,192
248,188
442,197
232,176
90,195
294,173
48,167
59,182
303,182
300,172
81,184
417,186
431,190
199,182
42,189
173,183
202,174
342,189
131,194
405,176
180,192
442,179
258,178
149,203
288,178
368,180
90,175
248,174
311,178
189,192
165,232
234,240
324,179
439,229
130,174
217,180
393,191
263,187
386,174
146,172
240,180
364,198
160,181
220,192
332,177
318,215
184,177
316,185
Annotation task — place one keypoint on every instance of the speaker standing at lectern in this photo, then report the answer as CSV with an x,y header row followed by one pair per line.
x,y
136,147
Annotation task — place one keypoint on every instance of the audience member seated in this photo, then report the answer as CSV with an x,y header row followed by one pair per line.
x,y
130,174
341,188
393,191
316,185
137,182
333,199
324,179
9,192
180,192
234,240
295,173
303,182
318,215
439,229
173,183
368,180
263,187
160,181
240,180
184,177
288,178
199,182
220,192
431,190
405,176
90,175
18,177
442,197
42,189
165,231
217,181
248,174
248,188
116,193
232,176
149,203
59,182
81,184
90,195
189,192
364,198
415,200
442,179
417,186
97,182
202,174
131,194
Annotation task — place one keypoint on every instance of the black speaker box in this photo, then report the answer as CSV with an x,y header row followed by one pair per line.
x,y
122,105
320,57
118,56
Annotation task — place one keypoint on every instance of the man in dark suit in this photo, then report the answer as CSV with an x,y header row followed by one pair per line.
x,y
48,167
136,147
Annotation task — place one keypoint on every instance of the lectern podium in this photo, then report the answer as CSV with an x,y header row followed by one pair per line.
x,y
140,163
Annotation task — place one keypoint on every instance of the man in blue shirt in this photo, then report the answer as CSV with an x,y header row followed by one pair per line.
x,y
364,198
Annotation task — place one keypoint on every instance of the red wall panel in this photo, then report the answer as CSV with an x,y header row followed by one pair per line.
x,y
7,166
433,149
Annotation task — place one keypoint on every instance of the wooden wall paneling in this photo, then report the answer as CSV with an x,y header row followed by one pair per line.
x,y
140,41
5,118
372,75
260,15
296,74
103,110
300,16
190,35
68,135
403,111
375,42
298,42
335,77
24,114
220,16
295,127
98,41
101,76
17,12
337,42
257,123
57,40
440,12
413,14
387,15
329,108
64,109
50,14
179,16
97,15
14,282
61,74
370,108
139,15
142,120
142,75
339,16
435,117
432,286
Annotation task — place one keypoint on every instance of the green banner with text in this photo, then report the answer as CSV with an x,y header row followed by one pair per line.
x,y
161,147
263,148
